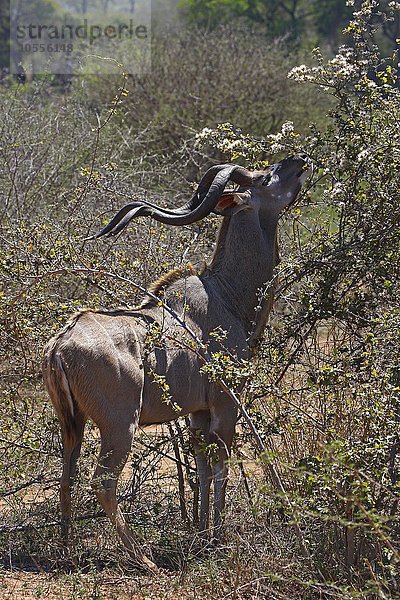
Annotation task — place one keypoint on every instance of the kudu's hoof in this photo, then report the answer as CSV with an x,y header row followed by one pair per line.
x,y
146,565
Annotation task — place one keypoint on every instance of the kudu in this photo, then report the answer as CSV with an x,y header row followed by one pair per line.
x,y
102,367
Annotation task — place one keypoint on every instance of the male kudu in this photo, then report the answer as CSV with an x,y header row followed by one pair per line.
x,y
101,366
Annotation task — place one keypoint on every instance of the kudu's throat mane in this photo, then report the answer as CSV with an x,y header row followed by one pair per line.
x,y
158,287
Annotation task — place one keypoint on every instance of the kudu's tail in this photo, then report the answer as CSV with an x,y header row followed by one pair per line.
x,y
60,394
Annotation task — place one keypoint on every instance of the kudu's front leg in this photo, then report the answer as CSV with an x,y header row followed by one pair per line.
x,y
222,429
199,429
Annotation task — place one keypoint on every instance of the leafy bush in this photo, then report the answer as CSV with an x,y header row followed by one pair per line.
x,y
323,391
330,368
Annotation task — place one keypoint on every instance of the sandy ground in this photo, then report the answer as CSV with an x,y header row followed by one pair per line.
x,y
31,586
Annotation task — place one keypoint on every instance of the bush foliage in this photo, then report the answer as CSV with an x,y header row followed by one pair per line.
x,y
323,391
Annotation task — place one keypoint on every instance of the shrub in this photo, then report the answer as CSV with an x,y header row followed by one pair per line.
x,y
324,390
328,371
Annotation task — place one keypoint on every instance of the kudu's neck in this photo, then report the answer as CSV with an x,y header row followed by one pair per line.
x,y
242,265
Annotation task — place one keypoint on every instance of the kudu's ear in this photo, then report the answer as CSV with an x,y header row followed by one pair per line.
x,y
231,203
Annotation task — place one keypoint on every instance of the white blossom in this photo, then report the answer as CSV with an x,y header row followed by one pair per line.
x,y
300,73
204,133
344,64
363,155
230,145
287,128
303,73
337,190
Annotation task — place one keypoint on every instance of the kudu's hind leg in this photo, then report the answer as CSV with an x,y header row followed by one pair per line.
x,y
199,428
115,446
71,450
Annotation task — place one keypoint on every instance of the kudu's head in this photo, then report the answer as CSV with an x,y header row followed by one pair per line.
x,y
267,192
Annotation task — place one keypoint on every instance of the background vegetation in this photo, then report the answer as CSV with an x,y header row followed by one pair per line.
x,y
324,389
